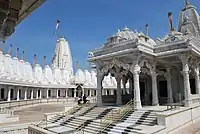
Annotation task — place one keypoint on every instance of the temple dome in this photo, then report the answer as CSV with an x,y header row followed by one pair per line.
x,y
7,64
57,75
66,76
126,33
48,75
38,73
93,78
121,36
173,36
28,72
79,77
88,80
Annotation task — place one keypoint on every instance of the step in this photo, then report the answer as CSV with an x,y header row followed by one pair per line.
x,y
141,118
88,130
144,119
141,121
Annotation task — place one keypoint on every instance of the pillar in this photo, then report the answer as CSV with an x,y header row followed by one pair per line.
x,y
32,93
90,93
130,85
18,91
169,86
118,77
136,70
40,93
186,79
25,93
75,93
100,77
9,92
37,97
83,91
124,88
57,95
197,82
66,93
47,93
155,101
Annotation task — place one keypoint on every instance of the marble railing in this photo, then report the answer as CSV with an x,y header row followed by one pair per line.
x,y
6,106
14,105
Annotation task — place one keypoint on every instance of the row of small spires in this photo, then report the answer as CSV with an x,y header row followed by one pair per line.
x,y
22,58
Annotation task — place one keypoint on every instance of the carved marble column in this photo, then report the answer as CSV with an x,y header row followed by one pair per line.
x,y
57,93
32,93
136,71
75,93
169,86
37,94
47,96
118,78
100,77
18,91
83,91
25,93
130,85
90,93
111,91
197,82
9,92
155,101
41,93
66,93
186,78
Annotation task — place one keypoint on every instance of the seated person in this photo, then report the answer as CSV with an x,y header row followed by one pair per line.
x,y
79,100
84,99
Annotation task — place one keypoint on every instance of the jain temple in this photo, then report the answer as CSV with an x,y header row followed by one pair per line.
x,y
136,85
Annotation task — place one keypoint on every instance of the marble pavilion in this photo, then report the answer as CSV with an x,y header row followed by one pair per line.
x,y
165,70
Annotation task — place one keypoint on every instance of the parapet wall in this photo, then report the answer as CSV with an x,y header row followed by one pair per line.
x,y
178,119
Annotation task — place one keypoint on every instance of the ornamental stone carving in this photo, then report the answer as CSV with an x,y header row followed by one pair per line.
x,y
135,68
116,62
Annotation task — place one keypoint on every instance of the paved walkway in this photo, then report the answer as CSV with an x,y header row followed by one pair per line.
x,y
192,129
35,114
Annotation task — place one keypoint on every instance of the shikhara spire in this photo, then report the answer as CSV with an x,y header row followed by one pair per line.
x,y
62,57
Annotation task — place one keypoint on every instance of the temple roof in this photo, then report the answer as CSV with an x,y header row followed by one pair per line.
x,y
127,34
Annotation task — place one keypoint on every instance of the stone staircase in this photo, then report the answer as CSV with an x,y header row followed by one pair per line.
x,y
142,117
63,118
135,122
91,122
95,126
97,112
75,123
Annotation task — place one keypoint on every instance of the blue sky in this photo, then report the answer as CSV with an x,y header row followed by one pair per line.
x,y
86,24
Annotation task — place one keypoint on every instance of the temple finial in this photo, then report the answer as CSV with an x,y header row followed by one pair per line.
x,y
10,49
147,29
22,58
34,60
44,61
187,2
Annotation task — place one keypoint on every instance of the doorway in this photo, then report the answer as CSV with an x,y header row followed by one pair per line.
x,y
162,92
142,92
2,94
192,86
